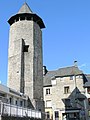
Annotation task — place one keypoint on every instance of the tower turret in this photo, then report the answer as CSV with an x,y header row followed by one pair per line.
x,y
25,13
25,66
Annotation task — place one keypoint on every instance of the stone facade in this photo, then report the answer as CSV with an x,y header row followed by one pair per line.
x,y
12,97
21,32
64,94
25,66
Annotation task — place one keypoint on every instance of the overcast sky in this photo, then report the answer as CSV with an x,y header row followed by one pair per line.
x,y
66,37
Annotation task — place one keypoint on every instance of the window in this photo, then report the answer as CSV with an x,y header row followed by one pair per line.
x,y
24,103
47,115
11,100
16,102
17,19
22,18
66,89
71,77
21,103
47,91
88,90
56,114
48,103
89,101
29,18
25,49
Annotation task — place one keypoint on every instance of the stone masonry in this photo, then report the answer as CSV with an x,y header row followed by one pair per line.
x,y
25,66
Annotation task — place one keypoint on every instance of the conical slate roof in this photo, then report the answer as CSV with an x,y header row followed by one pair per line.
x,y
25,9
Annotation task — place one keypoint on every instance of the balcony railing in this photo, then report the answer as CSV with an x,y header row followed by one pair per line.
x,y
12,110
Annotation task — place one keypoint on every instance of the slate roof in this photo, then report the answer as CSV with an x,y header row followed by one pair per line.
x,y
87,84
67,71
25,9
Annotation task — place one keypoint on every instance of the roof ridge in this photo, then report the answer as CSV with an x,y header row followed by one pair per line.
x,y
64,68
68,67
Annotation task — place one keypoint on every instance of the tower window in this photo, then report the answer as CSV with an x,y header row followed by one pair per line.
x,y
17,19
25,48
29,18
22,18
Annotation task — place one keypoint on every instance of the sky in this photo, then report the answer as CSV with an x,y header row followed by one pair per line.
x,y
66,37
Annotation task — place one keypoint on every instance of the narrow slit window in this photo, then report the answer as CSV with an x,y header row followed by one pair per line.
x,y
25,48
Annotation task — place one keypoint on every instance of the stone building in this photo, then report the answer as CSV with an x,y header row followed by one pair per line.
x,y
65,94
66,90
25,66
12,97
13,105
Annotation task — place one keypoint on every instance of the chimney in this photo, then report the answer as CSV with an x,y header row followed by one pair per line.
x,y
44,70
75,63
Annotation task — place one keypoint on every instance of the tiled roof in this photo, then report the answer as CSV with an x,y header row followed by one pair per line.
x,y
67,71
25,9
47,78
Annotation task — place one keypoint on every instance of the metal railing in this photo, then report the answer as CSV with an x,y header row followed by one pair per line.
x,y
12,110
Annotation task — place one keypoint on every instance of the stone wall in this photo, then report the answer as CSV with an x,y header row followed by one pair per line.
x,y
25,67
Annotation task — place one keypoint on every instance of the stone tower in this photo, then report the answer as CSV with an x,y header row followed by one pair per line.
x,y
25,66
